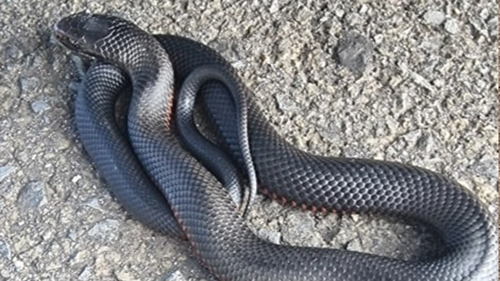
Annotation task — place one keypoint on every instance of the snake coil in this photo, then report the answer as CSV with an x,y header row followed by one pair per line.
x,y
204,211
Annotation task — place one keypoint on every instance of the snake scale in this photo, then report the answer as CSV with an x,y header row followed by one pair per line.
x,y
192,203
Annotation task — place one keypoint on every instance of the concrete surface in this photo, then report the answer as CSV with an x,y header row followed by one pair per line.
x,y
429,97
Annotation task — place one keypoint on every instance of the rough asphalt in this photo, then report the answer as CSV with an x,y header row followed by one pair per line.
x,y
428,96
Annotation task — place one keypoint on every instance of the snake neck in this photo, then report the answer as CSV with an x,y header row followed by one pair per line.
x,y
153,82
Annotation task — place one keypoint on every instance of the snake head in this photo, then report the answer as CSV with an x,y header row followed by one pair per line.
x,y
99,36
83,33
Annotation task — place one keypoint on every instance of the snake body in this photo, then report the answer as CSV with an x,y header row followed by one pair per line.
x,y
205,213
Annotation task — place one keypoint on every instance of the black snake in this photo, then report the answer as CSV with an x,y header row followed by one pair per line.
x,y
199,208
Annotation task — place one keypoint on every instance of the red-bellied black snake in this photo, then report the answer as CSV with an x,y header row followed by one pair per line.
x,y
157,66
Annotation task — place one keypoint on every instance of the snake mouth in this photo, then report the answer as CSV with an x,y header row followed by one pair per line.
x,y
60,31
67,37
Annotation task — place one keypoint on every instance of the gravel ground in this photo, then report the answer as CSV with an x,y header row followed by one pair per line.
x,y
428,96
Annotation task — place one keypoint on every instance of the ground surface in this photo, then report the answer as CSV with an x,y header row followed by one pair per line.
x,y
428,98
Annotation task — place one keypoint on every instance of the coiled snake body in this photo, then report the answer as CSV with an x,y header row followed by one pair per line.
x,y
205,212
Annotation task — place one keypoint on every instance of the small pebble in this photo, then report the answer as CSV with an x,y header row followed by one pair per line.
x,y
364,8
353,19
105,230
123,274
355,217
271,236
339,13
298,230
13,51
355,52
94,204
434,17
175,276
452,26
5,171
493,27
28,84
86,274
60,141
275,6
72,235
355,246
479,25
378,38
76,178
31,196
484,14
5,250
39,106
285,103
